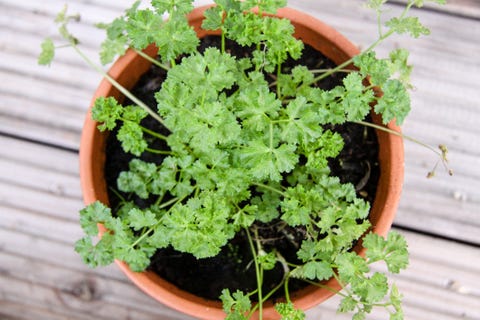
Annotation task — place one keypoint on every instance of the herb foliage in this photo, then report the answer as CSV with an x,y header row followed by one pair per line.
x,y
241,150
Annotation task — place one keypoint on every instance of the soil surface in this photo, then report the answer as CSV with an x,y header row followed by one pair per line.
x,y
233,268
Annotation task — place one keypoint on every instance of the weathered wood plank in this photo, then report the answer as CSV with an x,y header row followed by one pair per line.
x,y
39,156
68,304
437,274
464,8
19,311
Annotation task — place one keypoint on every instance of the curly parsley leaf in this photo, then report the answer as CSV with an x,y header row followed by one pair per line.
x,y
410,25
394,102
288,311
314,270
172,6
142,178
140,219
48,52
356,99
267,162
143,28
236,305
392,250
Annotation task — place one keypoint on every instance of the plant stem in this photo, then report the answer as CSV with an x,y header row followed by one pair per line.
x,y
154,134
264,186
223,42
156,151
317,284
152,60
399,134
119,86
257,273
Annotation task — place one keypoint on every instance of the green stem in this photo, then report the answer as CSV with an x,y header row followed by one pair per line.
x,y
172,201
223,42
152,60
279,72
399,134
153,133
122,199
317,284
156,151
150,229
267,187
330,69
117,85
271,136
257,273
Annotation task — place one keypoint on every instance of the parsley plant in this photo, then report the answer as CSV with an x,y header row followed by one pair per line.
x,y
241,150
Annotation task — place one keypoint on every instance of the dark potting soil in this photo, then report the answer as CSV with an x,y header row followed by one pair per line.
x,y
233,268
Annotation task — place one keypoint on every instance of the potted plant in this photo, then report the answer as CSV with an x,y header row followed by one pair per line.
x,y
244,156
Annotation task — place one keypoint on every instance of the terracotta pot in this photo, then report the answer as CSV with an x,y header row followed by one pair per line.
x,y
128,69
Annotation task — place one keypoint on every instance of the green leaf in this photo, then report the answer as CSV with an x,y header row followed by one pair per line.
x,y
376,4
350,265
175,38
116,42
143,27
267,205
356,100
92,215
172,6
393,250
317,270
347,304
112,48
131,137
399,65
266,162
140,219
328,145
302,125
376,69
373,289
137,259
288,311
396,299
213,18
308,250
245,216
411,25
138,178
100,254
200,226
394,103
397,252
48,52
107,111
236,305
297,206
420,3
257,107
272,6
360,315
267,260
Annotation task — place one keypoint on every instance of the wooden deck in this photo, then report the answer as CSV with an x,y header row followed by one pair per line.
x,y
42,112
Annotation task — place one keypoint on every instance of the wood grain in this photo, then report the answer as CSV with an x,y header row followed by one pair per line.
x,y
41,116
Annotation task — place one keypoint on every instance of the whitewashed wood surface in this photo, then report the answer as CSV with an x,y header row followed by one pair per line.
x,y
42,111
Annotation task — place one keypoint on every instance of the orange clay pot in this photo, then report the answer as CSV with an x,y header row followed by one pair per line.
x,y
127,71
